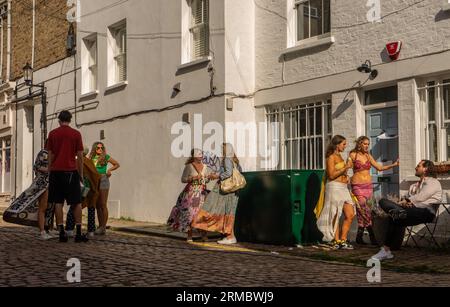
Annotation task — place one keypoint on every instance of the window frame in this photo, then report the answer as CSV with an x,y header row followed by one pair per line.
x,y
93,67
287,144
441,124
117,50
193,26
88,74
324,34
120,51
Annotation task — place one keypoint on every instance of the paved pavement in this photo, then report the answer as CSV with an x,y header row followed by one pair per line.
x,y
120,259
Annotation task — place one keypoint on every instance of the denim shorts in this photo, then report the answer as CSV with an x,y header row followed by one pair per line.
x,y
104,183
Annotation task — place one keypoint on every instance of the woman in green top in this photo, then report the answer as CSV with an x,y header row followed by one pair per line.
x,y
101,160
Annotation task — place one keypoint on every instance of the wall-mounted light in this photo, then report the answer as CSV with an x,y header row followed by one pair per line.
x,y
177,87
28,74
366,67
230,104
186,118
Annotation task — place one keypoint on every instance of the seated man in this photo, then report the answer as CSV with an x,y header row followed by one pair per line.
x,y
417,208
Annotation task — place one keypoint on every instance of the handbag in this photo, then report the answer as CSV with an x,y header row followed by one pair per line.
x,y
84,189
235,182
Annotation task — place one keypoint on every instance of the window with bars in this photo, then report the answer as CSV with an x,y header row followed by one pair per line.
x,y
304,132
313,18
199,28
437,98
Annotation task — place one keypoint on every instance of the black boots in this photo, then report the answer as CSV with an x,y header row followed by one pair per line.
x,y
373,240
359,236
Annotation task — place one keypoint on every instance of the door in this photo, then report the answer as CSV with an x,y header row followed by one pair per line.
x,y
382,129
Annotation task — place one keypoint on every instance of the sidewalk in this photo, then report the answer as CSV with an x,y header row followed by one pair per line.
x,y
408,259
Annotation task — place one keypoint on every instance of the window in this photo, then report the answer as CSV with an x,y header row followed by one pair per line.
x,y
199,29
432,129
120,56
89,64
380,95
117,72
304,132
312,18
436,95
5,165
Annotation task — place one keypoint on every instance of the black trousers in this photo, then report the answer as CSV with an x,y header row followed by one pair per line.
x,y
414,216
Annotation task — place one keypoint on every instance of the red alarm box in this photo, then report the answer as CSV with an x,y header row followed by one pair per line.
x,y
394,49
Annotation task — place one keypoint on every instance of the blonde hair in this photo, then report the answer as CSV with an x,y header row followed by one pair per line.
x,y
359,141
229,151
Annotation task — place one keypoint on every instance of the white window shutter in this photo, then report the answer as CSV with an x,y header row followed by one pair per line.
x,y
122,67
93,53
121,55
200,28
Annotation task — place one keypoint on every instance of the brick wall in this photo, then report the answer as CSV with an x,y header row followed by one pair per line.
x,y
51,32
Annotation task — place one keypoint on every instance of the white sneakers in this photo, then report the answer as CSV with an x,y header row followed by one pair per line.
x,y
100,231
383,255
45,236
227,241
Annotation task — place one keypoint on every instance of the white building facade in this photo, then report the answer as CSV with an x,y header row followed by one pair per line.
x,y
143,66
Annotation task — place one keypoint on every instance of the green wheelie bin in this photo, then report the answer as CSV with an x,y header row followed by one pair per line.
x,y
276,207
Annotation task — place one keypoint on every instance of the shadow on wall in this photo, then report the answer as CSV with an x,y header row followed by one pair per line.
x,y
192,68
310,51
346,103
442,15
384,55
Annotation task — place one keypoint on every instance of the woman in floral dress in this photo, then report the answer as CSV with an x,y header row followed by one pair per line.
x,y
195,175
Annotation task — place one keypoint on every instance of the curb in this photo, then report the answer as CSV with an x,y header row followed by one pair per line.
x,y
159,233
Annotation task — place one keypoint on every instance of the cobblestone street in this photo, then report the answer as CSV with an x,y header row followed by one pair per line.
x,y
133,260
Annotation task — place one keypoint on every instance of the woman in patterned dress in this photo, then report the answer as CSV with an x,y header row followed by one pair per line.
x,y
195,175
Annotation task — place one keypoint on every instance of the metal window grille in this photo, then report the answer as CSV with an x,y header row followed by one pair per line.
x,y
305,130
436,95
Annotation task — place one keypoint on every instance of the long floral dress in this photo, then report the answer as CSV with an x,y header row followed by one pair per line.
x,y
189,200
219,209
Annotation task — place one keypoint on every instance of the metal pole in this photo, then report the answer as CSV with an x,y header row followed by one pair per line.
x,y
44,117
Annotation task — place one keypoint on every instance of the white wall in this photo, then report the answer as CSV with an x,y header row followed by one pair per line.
x,y
148,182
240,78
422,28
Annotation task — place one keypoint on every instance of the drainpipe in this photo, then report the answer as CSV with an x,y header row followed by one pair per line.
x,y
1,47
33,35
8,46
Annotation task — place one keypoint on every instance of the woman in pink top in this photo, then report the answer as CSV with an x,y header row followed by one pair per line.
x,y
362,186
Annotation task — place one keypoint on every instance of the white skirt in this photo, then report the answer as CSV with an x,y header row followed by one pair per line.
x,y
336,195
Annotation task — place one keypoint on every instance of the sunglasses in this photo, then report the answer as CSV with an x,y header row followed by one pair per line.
x,y
100,147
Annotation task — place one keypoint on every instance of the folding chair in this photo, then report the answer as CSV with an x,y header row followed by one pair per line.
x,y
429,227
